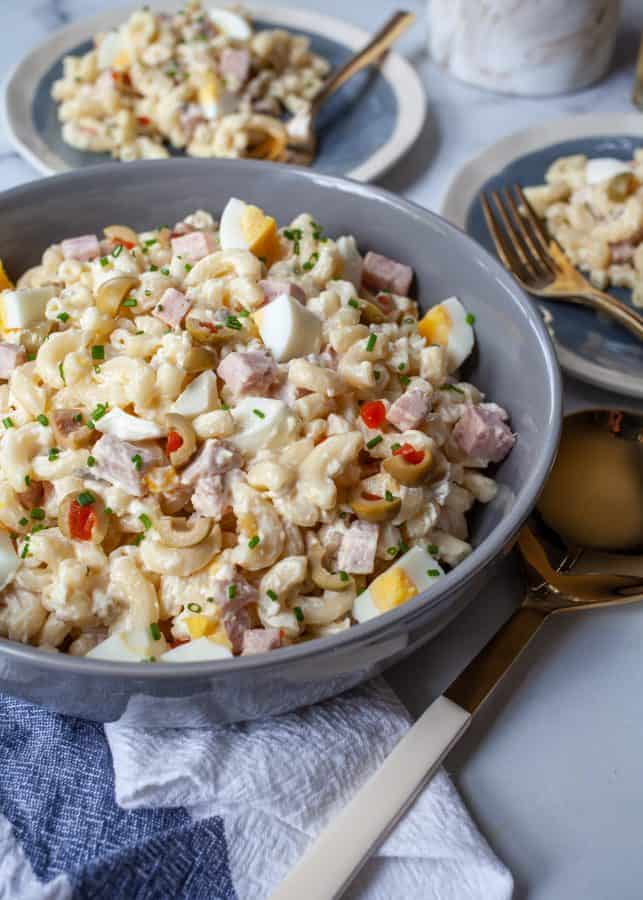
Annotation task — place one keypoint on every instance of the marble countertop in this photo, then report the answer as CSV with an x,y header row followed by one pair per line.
x,y
551,768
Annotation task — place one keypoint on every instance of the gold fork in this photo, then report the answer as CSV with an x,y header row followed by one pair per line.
x,y
539,264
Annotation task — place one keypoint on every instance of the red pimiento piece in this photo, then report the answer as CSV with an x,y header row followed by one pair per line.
x,y
174,441
81,521
143,120
373,413
409,454
127,244
368,496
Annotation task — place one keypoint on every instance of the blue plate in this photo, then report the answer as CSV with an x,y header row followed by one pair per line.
x,y
364,128
589,345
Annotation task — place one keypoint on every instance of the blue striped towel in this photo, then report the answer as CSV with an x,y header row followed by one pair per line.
x,y
217,813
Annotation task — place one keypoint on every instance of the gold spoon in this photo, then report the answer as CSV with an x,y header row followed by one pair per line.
x,y
302,139
592,501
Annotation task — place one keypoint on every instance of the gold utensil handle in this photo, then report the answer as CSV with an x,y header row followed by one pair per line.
x,y
372,52
616,310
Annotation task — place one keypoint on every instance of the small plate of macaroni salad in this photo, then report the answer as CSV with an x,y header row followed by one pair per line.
x,y
226,437
589,193
199,80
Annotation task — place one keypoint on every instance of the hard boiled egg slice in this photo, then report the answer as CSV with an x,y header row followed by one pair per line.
x,y
604,168
450,325
24,307
261,422
9,561
246,227
130,646
198,650
112,53
5,282
288,329
410,575
126,427
231,24
214,99
198,397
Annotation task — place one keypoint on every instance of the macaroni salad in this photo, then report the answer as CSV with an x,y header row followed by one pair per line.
x,y
223,438
594,210
201,81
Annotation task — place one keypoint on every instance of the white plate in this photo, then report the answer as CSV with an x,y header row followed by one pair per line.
x,y
588,345
372,121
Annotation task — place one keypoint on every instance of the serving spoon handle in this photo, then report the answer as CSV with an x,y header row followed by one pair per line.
x,y
372,52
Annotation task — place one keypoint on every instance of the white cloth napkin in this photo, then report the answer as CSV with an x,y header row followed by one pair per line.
x,y
276,782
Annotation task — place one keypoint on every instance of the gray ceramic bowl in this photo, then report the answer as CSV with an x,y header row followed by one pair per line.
x,y
514,364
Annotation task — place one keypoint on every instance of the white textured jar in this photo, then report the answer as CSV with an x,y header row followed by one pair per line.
x,y
524,46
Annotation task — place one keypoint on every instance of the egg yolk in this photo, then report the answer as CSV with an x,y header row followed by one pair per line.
x,y
199,625
5,281
391,589
260,233
209,90
435,326
220,637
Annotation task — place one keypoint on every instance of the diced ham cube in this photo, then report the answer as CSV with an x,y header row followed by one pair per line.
x,y
357,550
383,274
211,497
214,458
481,433
82,248
191,115
409,410
274,287
248,372
193,246
33,495
260,640
243,593
124,464
172,307
235,66
236,625
11,356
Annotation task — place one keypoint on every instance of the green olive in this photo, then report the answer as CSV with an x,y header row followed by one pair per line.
x,y
408,473
182,427
620,186
372,314
377,509
320,575
199,359
100,520
210,332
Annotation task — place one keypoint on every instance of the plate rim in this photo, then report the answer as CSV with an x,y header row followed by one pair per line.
x,y
467,181
22,80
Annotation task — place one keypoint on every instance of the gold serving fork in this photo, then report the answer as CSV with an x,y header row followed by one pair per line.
x,y
539,264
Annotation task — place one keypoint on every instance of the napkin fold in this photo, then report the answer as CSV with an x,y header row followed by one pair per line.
x,y
219,812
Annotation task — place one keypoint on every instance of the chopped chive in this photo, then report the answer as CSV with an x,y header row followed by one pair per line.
x,y
377,374
155,631
293,234
344,576
37,528
210,599
187,267
8,422
25,550
353,302
404,548
374,441
99,411
388,496
165,271
254,540
91,461
85,498
232,591
272,595
109,511
154,268
104,261
404,379
432,573
298,613
61,372
370,343
37,513
149,659
307,266
470,319
130,301
392,551
433,549
451,387
23,521
148,293
98,351
118,249
151,242
53,454
195,607
97,370
259,414
31,356
78,418
63,316
91,426
136,540
42,418
401,367
145,519
233,322
138,461
243,314
27,480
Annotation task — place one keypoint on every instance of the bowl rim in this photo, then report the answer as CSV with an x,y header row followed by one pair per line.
x,y
482,556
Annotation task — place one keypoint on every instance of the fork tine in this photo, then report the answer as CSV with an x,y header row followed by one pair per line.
x,y
504,250
536,225
516,242
532,247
